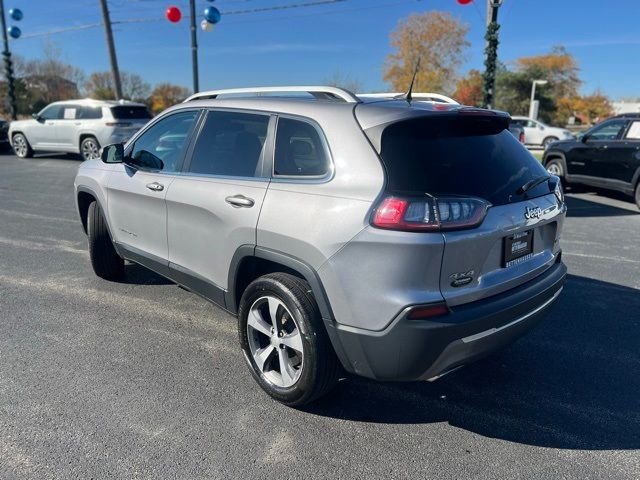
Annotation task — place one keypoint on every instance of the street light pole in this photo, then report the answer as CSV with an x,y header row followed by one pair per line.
x,y
532,109
8,65
194,46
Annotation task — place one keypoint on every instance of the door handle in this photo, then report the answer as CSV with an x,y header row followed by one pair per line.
x,y
155,186
238,201
78,123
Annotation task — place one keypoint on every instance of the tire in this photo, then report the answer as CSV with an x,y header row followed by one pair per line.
x,y
89,148
309,374
105,260
548,141
637,195
21,146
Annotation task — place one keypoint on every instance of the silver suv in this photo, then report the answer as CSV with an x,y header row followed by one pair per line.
x,y
389,239
78,126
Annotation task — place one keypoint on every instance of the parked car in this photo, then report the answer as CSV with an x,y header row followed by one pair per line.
x,y
78,126
538,134
517,131
343,233
605,156
4,137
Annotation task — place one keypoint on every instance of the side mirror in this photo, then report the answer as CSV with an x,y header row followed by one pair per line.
x,y
37,117
113,153
584,137
541,127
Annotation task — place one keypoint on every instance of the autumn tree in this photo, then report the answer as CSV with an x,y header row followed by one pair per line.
x,y
587,109
558,67
469,89
438,40
100,86
166,94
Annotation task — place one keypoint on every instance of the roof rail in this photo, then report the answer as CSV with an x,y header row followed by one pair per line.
x,y
319,92
424,97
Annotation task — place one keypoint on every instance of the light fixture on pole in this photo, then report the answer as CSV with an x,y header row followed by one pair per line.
x,y
533,106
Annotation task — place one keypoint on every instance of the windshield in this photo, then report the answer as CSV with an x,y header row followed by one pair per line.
x,y
457,155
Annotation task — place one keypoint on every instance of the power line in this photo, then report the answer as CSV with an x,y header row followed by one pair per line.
x,y
159,18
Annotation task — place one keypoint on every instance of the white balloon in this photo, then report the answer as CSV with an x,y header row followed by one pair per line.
x,y
206,26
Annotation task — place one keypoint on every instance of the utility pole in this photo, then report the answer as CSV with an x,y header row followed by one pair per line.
x,y
8,66
491,52
112,49
194,46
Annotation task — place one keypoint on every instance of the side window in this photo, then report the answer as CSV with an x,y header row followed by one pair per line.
x,y
161,146
608,130
89,113
299,150
634,131
52,112
230,144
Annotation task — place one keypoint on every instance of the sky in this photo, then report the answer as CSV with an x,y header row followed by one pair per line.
x,y
312,44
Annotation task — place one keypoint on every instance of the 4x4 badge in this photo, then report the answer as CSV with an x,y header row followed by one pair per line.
x,y
530,213
462,278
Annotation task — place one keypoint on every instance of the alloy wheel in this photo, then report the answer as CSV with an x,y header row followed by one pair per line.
x,y
275,341
20,145
554,169
90,149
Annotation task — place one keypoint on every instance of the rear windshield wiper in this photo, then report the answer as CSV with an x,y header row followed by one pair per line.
x,y
532,183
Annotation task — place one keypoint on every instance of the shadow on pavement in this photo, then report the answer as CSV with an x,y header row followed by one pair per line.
x,y
581,207
570,383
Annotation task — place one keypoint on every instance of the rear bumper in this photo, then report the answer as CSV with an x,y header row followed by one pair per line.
x,y
425,350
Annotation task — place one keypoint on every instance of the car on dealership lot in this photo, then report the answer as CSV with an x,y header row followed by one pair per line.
x,y
518,132
539,134
4,134
77,126
605,156
345,233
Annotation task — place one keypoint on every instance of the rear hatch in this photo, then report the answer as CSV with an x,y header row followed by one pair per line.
x,y
470,153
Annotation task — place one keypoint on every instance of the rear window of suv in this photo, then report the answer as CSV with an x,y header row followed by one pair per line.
x,y
125,112
458,155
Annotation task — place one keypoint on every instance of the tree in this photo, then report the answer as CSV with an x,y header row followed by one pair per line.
x,y
469,89
339,79
587,109
436,39
558,67
100,86
165,95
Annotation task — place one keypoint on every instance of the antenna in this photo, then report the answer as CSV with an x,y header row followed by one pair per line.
x,y
408,96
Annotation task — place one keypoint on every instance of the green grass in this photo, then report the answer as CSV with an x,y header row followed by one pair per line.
x,y
538,155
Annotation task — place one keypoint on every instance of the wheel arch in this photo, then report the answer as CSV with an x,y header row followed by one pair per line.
x,y
83,137
250,262
554,155
84,197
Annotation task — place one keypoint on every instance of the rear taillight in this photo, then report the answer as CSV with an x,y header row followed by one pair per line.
x,y
429,213
118,124
521,137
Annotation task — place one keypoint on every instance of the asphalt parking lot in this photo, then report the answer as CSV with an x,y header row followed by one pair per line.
x,y
141,379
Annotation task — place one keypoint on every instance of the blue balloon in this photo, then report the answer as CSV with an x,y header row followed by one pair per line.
x,y
16,14
14,32
212,14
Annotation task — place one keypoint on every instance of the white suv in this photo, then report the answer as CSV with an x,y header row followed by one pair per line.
x,y
537,133
78,126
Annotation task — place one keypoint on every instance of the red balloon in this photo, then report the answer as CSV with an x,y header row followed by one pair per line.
x,y
464,2
173,14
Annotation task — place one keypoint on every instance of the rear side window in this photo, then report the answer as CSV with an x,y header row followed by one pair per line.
x,y
89,113
230,144
126,112
457,155
299,150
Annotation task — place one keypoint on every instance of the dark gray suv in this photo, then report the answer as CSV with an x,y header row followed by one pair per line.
x,y
381,237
